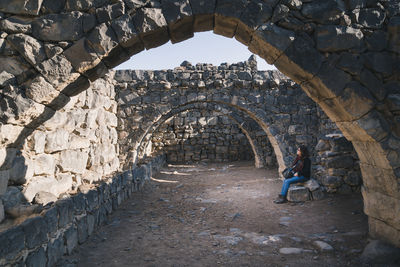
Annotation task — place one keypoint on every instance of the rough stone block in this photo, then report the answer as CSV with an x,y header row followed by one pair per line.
x,y
152,27
127,35
82,56
4,177
23,7
227,15
35,232
90,224
65,211
110,12
48,184
55,250
30,48
44,198
255,14
12,242
92,199
102,39
15,24
374,125
298,193
73,161
44,164
326,12
51,219
312,184
337,38
178,15
79,201
300,60
82,226
36,258
119,55
269,41
59,27
71,239
58,71
203,12
21,171
318,194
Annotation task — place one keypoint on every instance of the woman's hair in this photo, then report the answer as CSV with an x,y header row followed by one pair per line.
x,y
304,151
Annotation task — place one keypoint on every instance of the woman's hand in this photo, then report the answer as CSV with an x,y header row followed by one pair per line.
x,y
296,174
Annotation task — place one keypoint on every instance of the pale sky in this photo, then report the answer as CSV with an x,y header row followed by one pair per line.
x,y
204,47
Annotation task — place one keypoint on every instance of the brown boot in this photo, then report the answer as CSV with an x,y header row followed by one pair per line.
x,y
280,200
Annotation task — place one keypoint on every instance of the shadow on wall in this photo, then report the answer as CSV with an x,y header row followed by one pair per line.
x,y
14,170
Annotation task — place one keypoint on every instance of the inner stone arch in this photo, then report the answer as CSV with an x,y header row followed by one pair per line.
x,y
247,125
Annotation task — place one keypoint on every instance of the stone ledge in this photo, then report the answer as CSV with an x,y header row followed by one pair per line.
x,y
70,223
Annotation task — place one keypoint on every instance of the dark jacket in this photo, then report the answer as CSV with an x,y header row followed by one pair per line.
x,y
302,167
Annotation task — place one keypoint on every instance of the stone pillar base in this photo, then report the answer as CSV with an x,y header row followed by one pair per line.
x,y
382,231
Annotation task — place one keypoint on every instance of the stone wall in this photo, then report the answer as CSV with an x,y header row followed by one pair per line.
x,y
337,165
264,98
204,136
44,238
77,145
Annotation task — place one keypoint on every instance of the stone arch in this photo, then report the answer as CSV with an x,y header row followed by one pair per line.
x,y
239,117
343,54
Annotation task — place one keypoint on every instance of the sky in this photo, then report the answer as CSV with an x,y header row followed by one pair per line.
x,y
204,47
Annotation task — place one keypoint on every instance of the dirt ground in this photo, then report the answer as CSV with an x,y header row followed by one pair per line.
x,y
223,214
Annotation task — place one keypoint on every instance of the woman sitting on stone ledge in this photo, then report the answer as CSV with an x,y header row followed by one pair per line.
x,y
302,170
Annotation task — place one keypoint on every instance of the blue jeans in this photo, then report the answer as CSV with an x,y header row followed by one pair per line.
x,y
289,181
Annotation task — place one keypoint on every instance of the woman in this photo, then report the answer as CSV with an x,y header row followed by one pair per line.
x,y
302,168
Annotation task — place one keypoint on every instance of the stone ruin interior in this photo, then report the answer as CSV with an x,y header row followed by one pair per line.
x,y
77,138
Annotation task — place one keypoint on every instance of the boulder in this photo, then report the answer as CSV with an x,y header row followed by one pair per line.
x,y
380,253
298,194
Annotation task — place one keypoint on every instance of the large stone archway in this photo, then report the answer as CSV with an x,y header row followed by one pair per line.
x,y
344,54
